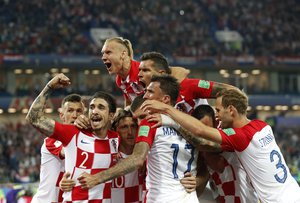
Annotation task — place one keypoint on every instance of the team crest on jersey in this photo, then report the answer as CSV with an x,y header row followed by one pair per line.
x,y
229,131
114,144
204,84
144,131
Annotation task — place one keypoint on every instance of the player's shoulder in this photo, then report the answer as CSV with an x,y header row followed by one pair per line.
x,y
112,134
145,122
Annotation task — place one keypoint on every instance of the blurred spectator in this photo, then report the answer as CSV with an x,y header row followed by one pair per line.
x,y
19,153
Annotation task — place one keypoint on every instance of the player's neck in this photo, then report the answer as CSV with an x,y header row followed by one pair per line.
x,y
240,121
100,133
126,149
125,69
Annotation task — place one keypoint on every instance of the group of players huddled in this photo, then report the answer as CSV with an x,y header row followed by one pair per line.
x,y
164,146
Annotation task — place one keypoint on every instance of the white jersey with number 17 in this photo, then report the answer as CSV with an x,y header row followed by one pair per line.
x,y
169,158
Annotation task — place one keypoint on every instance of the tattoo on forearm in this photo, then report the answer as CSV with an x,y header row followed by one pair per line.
x,y
216,88
199,142
125,166
36,115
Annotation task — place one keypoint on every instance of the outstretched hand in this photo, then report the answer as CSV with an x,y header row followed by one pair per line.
x,y
156,118
82,122
189,182
59,81
153,106
87,181
66,184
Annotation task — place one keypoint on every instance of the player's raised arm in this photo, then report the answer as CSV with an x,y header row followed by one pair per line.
x,y
36,115
196,127
218,86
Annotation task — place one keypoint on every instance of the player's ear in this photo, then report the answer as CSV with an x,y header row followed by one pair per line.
x,y
60,114
232,109
111,116
166,99
162,72
123,55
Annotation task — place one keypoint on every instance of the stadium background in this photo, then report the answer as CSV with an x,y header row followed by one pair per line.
x,y
254,45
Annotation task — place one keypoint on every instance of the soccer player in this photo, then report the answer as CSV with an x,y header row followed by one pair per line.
x,y
130,187
85,151
252,140
226,172
52,155
192,91
168,155
117,55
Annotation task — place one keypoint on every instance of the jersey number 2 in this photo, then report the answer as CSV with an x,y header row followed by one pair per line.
x,y
175,162
279,165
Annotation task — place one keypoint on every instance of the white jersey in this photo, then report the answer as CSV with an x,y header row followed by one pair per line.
x,y
169,158
85,152
128,188
262,159
51,171
232,185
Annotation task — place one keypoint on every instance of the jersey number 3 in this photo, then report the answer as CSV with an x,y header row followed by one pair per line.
x,y
279,165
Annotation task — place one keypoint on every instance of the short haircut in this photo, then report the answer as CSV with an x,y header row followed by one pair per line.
x,y
204,110
122,114
136,103
125,42
159,61
108,98
236,98
71,98
169,86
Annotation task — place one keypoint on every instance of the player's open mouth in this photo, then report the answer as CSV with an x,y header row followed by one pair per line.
x,y
96,119
108,65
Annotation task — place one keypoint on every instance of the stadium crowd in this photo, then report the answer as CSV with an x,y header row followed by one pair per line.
x,y
173,27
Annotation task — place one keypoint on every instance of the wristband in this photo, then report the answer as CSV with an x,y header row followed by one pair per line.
x,y
166,120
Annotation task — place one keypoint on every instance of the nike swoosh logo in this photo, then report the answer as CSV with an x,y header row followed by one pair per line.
x,y
83,142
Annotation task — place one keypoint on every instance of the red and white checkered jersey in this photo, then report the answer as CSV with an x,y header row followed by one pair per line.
x,y
232,184
84,152
128,188
263,161
170,156
131,86
51,172
193,93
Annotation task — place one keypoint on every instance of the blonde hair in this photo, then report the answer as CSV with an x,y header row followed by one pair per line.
x,y
236,98
125,42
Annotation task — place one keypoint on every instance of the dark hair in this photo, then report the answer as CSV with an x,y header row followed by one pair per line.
x,y
236,98
136,103
169,86
204,110
159,61
122,114
71,98
108,98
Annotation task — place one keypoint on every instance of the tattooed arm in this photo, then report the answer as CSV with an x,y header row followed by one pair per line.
x,y
217,87
36,115
125,166
200,143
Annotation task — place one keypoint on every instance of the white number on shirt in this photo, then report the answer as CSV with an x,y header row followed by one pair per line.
x,y
175,162
85,159
279,165
118,182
